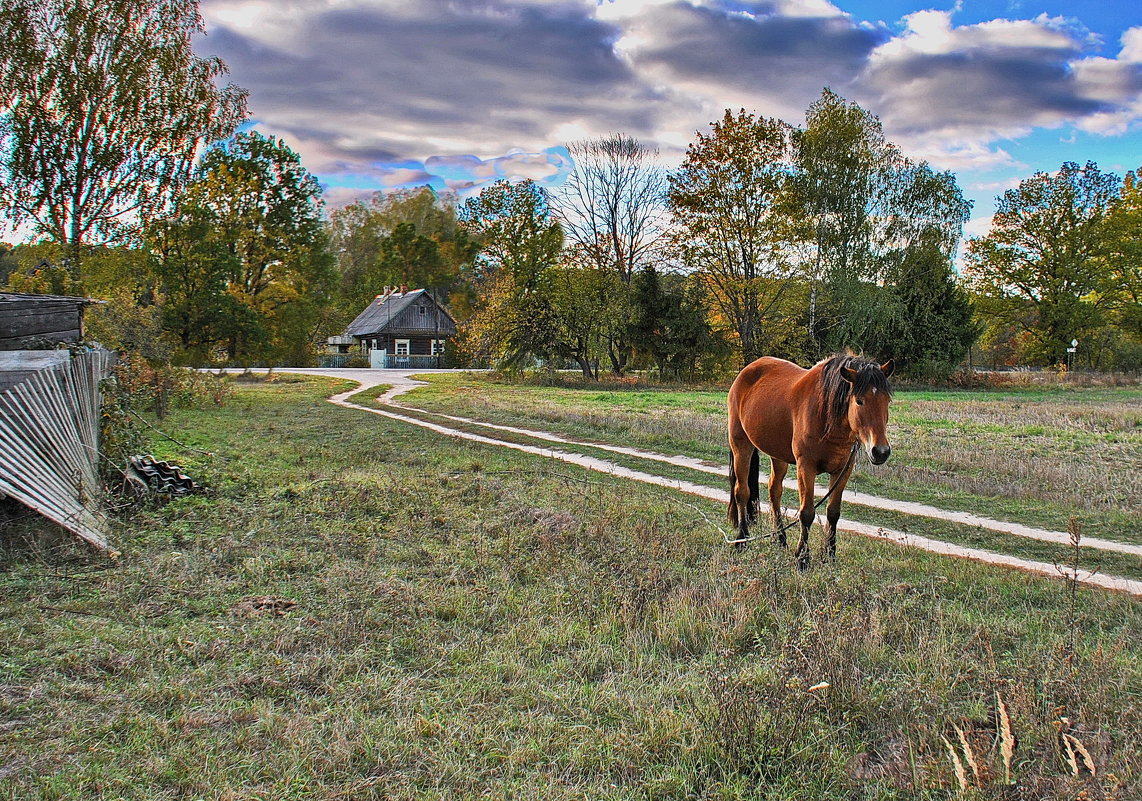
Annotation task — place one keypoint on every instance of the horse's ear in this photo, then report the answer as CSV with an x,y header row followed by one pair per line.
x,y
849,374
888,367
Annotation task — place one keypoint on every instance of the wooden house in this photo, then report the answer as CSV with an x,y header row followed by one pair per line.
x,y
400,328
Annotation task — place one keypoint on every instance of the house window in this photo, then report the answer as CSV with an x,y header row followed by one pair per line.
x,y
423,310
438,347
402,347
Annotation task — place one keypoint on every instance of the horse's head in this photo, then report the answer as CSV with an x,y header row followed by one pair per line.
x,y
868,406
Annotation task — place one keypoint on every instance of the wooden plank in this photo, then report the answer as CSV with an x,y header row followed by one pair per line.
x,y
39,340
32,359
38,322
19,307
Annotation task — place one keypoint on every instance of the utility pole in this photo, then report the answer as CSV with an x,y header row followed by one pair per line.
x,y
435,326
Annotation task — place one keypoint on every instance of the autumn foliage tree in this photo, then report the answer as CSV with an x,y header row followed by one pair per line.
x,y
1041,262
520,247
1122,254
728,201
410,237
259,211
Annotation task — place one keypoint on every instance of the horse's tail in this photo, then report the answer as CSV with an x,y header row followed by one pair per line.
x,y
732,511
754,488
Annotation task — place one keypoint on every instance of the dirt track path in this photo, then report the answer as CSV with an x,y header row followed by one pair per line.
x,y
402,382
851,496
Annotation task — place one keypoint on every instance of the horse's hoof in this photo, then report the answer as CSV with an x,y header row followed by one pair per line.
x,y
803,563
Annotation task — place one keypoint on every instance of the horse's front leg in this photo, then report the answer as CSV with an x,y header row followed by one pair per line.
x,y
806,479
778,469
833,512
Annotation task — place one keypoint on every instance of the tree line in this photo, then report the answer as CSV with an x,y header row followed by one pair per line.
x,y
211,243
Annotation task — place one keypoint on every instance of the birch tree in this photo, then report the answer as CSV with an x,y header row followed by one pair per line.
x,y
842,158
104,107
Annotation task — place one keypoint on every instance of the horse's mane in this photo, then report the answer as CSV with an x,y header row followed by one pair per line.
x,y
835,389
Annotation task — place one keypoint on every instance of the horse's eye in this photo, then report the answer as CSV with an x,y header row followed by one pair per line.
x,y
860,402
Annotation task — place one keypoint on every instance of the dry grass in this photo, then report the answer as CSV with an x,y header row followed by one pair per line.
x,y
1074,452
365,611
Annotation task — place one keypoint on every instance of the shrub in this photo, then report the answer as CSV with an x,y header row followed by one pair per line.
x,y
136,386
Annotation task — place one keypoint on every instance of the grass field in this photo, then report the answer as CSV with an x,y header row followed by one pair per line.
x,y
361,609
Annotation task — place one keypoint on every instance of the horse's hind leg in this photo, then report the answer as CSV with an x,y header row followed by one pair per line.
x,y
743,453
776,476
805,485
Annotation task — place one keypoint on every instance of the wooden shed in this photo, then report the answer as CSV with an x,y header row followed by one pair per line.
x,y
40,321
401,328
50,403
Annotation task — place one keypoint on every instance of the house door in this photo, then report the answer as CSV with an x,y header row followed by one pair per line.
x,y
401,350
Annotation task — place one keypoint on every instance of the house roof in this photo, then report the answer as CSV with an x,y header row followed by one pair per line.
x,y
22,296
396,312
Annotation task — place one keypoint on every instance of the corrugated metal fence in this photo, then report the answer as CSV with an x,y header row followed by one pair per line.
x,y
49,440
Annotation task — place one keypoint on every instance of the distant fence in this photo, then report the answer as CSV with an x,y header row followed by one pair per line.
x,y
338,360
49,440
379,359
385,360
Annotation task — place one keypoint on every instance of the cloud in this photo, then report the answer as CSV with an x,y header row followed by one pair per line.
x,y
978,226
972,85
409,80
383,93
998,187
463,173
1118,82
759,56
456,175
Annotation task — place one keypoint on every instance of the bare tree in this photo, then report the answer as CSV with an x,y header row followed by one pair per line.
x,y
613,205
613,213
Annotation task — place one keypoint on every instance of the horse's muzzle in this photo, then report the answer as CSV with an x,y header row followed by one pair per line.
x,y
880,454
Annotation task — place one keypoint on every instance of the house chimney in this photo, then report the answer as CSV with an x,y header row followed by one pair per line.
x,y
404,289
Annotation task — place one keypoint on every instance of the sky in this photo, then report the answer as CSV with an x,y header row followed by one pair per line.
x,y
382,94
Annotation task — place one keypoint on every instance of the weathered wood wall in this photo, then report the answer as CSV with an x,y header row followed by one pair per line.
x,y
28,321
49,441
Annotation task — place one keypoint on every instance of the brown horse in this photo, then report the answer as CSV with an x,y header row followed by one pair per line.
x,y
816,419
